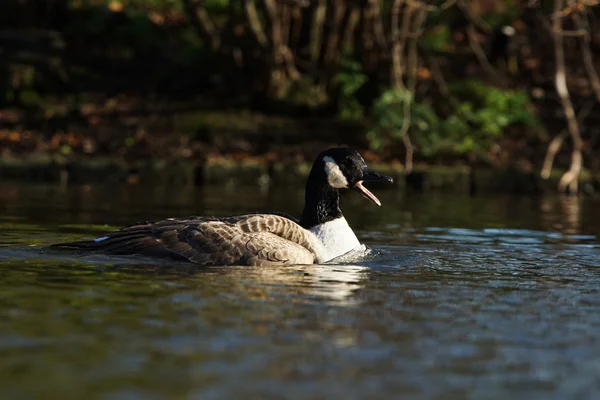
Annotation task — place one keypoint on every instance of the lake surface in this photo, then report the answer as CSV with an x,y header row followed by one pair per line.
x,y
465,298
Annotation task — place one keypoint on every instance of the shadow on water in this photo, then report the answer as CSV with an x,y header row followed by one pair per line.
x,y
463,297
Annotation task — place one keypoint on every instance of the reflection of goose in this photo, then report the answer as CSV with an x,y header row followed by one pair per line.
x,y
329,282
336,283
320,235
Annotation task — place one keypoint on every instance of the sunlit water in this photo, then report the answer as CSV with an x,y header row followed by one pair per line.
x,y
484,298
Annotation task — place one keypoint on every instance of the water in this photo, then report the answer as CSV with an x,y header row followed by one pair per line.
x,y
466,298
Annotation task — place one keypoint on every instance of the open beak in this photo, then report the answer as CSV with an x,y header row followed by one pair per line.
x,y
370,176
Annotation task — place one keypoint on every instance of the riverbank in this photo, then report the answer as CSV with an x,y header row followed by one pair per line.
x,y
228,171
177,144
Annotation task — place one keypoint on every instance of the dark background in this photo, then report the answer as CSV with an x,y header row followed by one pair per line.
x,y
413,82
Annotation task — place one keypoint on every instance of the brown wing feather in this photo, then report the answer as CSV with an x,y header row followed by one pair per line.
x,y
254,239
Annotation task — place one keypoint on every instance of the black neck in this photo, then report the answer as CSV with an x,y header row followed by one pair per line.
x,y
322,202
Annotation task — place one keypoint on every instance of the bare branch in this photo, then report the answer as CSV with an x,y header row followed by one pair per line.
x,y
295,27
202,23
557,141
353,17
553,148
569,181
447,4
482,58
399,40
254,23
438,76
290,66
413,18
582,24
335,34
476,21
286,22
274,22
398,44
378,24
281,57
412,70
576,33
316,34
472,17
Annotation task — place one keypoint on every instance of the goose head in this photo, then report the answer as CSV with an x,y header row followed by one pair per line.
x,y
346,169
333,170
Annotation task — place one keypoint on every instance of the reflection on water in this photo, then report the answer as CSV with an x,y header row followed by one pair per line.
x,y
562,213
486,297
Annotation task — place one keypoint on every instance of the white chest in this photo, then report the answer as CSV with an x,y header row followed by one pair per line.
x,y
336,237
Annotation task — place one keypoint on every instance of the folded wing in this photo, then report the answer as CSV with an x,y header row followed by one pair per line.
x,y
254,239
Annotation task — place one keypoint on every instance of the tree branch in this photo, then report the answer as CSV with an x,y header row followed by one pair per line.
x,y
399,41
352,22
472,17
286,23
335,34
254,23
482,58
202,23
557,141
411,76
378,24
413,18
282,59
569,181
316,34
587,55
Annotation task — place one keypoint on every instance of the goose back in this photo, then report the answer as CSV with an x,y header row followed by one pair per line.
x,y
251,239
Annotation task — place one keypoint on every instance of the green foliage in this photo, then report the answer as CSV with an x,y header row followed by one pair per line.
x,y
306,92
350,80
438,38
493,110
20,87
389,118
480,116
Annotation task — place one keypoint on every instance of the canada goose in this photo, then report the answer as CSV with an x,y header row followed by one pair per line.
x,y
320,235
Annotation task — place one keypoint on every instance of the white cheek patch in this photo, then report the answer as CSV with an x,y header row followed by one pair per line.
x,y
335,176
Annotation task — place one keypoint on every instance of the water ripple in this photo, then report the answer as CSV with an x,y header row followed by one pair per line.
x,y
460,298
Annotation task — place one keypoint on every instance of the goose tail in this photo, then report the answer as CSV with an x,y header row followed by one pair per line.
x,y
82,244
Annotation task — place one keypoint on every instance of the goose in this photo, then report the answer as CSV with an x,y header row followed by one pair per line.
x,y
319,236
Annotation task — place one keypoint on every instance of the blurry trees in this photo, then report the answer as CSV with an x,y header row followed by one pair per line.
x,y
435,79
296,43
293,41
576,15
